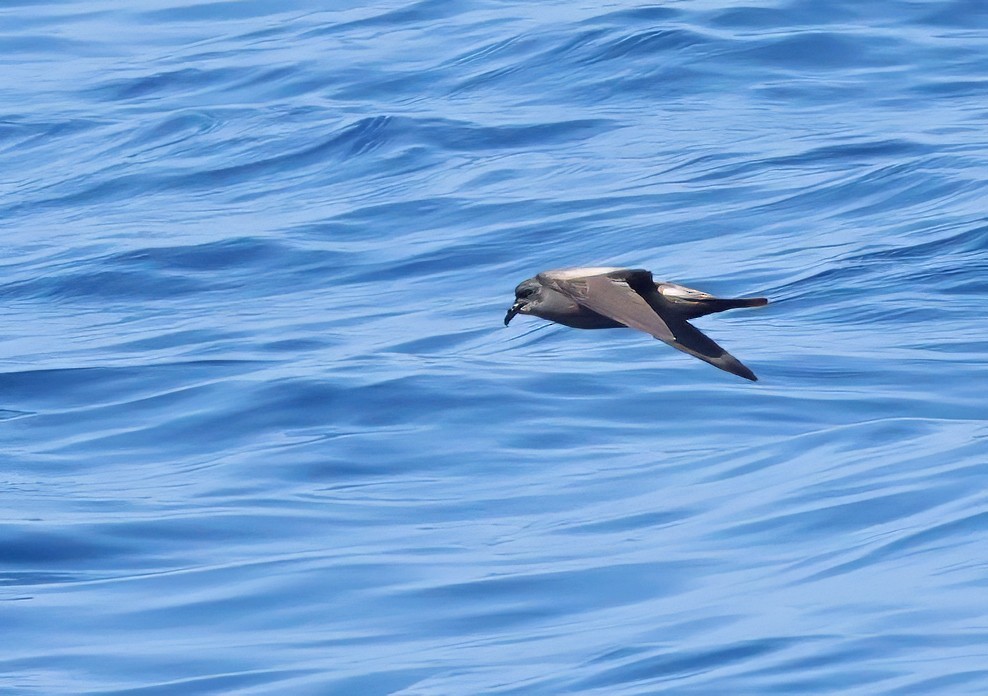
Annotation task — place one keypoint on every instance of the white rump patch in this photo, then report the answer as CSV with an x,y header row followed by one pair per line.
x,y
673,290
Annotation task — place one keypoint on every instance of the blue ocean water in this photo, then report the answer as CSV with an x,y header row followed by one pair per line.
x,y
264,432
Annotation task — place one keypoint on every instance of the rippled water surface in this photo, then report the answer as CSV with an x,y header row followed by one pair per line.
x,y
265,433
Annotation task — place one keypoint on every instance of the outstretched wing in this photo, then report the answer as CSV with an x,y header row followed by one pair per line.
x,y
631,298
616,295
690,339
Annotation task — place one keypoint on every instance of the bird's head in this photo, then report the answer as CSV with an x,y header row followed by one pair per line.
x,y
526,293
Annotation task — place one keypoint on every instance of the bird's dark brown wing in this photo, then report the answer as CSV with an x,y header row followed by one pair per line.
x,y
614,297
630,297
690,339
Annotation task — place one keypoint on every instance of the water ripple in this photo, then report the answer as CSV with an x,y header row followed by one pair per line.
x,y
265,430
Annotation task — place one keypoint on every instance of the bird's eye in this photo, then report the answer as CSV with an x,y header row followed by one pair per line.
x,y
525,292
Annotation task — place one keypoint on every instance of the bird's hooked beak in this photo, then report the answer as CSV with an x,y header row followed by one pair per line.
x,y
515,308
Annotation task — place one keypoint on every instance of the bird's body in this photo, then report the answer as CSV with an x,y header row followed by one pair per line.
x,y
612,298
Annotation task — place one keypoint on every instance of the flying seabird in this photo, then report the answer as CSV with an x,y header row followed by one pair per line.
x,y
613,298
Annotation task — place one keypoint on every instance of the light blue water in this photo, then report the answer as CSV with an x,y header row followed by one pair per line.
x,y
263,430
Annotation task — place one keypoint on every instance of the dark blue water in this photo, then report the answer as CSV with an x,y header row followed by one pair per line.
x,y
263,430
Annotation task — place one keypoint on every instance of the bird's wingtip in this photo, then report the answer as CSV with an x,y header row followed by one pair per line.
x,y
736,367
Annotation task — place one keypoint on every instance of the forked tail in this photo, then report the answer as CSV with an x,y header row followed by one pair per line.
x,y
701,308
719,305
